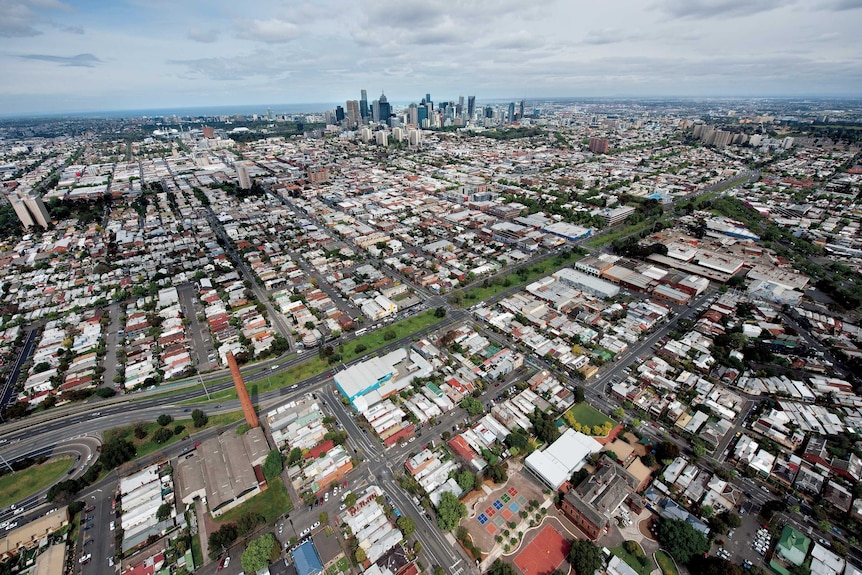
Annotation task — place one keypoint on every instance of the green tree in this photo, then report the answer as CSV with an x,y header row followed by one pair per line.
x,y
248,522
417,548
440,312
438,570
450,511
258,553
682,540
666,450
221,539
500,567
406,525
163,512
496,472
618,413
162,435
323,517
272,465
164,419
389,334
295,456
359,555
116,452
199,418
584,556
579,394
465,480
350,500
518,440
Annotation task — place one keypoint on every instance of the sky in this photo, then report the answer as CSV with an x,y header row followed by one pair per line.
x,y
61,56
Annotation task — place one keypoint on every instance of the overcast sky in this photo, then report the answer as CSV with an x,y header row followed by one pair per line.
x,y
81,55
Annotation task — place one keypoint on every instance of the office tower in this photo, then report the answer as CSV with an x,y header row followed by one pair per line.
x,y
422,115
511,116
381,138
269,114
459,110
353,113
385,108
428,99
242,174
363,105
599,145
413,115
339,114
489,112
521,112
375,111
471,106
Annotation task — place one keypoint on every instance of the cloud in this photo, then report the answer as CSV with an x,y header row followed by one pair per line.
x,y
609,36
20,18
842,5
698,9
235,68
202,36
272,31
79,60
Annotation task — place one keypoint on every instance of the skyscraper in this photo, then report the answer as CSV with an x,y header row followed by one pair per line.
x,y
471,106
413,115
428,98
363,105
521,115
242,175
422,115
339,114
385,108
511,117
353,114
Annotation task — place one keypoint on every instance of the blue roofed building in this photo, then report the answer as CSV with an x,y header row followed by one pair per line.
x,y
306,560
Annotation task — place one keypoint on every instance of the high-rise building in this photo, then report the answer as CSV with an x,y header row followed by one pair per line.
x,y
422,115
381,138
428,99
365,135
363,105
397,134
471,106
242,175
489,112
599,145
339,114
30,210
385,108
414,137
511,116
413,114
375,111
521,111
353,113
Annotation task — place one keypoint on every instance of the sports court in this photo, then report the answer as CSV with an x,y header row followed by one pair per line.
x,y
544,553
501,510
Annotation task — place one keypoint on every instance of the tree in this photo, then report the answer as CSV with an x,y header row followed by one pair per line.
x,y
164,419
248,522
360,347
682,540
272,465
500,567
472,406
163,512
465,480
666,451
162,435
417,548
258,553
295,456
116,452
199,418
359,555
350,500
450,511
648,459
406,525
579,394
713,565
706,511
518,440
438,570
496,472
178,429
618,413
585,556
440,312
389,334
221,539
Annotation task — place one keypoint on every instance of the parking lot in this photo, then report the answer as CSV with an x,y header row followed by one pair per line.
x,y
740,545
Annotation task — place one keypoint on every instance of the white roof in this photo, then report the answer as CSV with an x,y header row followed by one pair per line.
x,y
563,457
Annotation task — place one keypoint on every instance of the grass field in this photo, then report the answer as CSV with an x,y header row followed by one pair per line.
x,y
665,563
621,232
146,445
634,562
503,282
586,414
18,485
316,365
272,504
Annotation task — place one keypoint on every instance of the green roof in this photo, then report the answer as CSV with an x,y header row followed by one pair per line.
x,y
793,545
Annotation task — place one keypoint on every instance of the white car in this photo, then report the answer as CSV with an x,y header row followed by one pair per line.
x,y
315,526
305,532
111,526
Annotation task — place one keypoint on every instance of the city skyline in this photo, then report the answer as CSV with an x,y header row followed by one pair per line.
x,y
80,55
